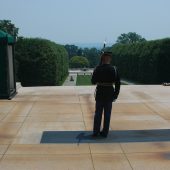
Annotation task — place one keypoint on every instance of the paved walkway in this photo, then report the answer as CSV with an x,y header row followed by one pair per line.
x,y
70,109
73,73
70,80
79,71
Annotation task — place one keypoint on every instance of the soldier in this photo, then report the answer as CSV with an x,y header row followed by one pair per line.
x,y
104,76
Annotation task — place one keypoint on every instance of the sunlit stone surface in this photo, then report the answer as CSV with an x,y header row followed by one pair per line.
x,y
37,109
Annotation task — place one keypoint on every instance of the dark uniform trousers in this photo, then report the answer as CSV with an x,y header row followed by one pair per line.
x,y
100,107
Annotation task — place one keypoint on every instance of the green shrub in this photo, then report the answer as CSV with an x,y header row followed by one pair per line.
x,y
40,62
147,62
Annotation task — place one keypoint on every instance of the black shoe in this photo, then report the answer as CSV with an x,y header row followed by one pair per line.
x,y
103,134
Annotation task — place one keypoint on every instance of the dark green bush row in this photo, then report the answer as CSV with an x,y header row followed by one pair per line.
x,y
147,62
40,62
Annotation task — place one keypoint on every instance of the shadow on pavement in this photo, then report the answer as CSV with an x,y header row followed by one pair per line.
x,y
123,136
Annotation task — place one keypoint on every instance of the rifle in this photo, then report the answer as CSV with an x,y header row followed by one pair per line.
x,y
102,51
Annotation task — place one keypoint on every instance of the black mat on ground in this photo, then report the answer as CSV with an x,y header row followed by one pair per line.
x,y
123,136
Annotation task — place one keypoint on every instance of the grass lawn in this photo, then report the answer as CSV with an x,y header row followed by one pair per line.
x,y
83,80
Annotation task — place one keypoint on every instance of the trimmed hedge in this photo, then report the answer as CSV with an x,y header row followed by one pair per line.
x,y
147,62
40,62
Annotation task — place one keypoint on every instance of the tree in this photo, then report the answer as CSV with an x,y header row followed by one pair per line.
x,y
130,38
93,55
80,52
10,28
72,50
79,62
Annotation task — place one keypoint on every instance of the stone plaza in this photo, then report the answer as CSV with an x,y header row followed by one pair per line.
x,y
140,135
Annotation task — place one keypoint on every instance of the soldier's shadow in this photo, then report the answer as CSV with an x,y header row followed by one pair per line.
x,y
122,136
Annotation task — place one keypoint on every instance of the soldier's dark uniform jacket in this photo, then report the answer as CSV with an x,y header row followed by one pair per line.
x,y
105,76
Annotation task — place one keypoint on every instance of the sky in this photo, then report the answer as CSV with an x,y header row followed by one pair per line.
x,y
88,21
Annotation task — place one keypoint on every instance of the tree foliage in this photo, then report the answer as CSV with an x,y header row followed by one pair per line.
x,y
72,50
10,28
92,54
146,62
130,38
79,62
40,62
